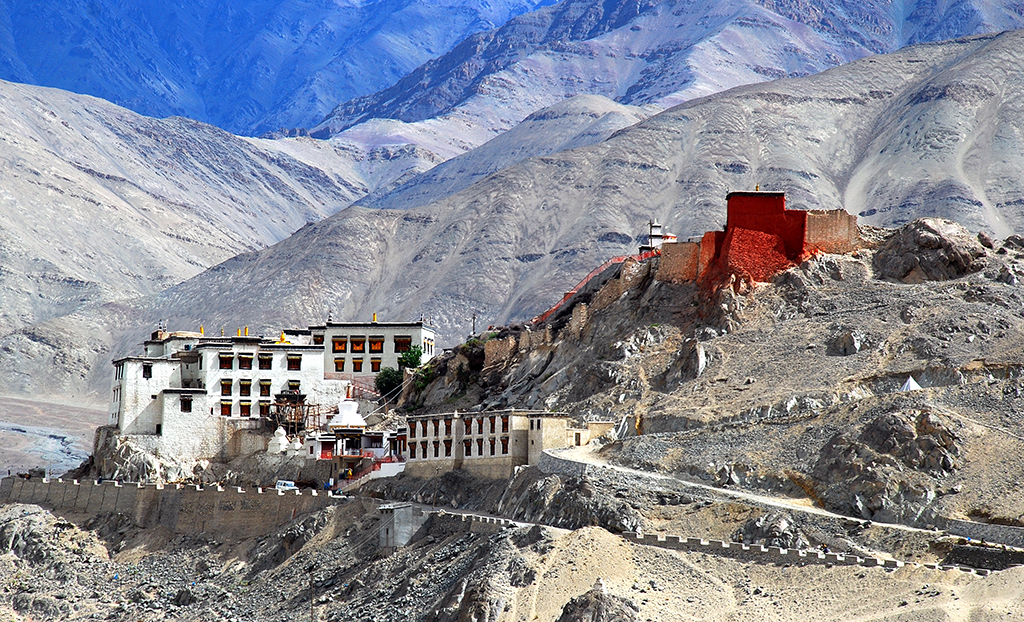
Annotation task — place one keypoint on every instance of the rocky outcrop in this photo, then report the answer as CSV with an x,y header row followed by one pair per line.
x,y
598,605
929,249
889,470
775,529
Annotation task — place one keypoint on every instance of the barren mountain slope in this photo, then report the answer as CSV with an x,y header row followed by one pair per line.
x,y
247,66
82,569
101,204
508,246
795,388
576,122
657,52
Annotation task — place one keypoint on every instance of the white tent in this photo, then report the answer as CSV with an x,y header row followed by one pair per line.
x,y
910,385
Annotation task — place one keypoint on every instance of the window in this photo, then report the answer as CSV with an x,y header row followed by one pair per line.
x,y
423,447
318,340
186,404
244,409
504,445
339,364
159,429
357,365
480,425
244,361
538,423
467,448
447,427
293,385
245,388
376,345
437,427
492,446
468,424
412,452
448,448
294,362
403,344
577,439
225,409
375,365
424,424
492,425
412,430
339,344
147,370
264,388
504,424
264,409
479,446
531,424
226,361
437,449
225,387
358,345
266,361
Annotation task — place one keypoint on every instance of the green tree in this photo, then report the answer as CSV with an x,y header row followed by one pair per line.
x,y
411,358
388,379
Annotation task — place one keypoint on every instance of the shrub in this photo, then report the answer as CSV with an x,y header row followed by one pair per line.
x,y
388,380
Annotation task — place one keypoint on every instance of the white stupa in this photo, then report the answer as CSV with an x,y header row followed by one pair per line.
x,y
348,415
278,444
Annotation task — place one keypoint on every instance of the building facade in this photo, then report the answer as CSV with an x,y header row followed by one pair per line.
x,y
488,444
358,350
193,396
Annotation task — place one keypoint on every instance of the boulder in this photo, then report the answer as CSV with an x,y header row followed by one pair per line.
x,y
929,249
599,606
845,343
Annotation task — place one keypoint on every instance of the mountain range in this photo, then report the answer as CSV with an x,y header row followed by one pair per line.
x,y
245,66
652,53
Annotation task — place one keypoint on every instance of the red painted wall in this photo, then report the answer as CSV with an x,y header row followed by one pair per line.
x,y
766,212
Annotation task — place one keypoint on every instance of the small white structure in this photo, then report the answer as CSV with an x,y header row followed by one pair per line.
x,y
910,385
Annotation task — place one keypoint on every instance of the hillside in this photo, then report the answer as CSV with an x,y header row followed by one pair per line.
x,y
944,115
247,67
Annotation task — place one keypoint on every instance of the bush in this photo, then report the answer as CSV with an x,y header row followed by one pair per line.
x,y
411,359
388,379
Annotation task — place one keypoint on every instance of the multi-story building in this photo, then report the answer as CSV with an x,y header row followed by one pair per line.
x,y
358,350
193,396
491,443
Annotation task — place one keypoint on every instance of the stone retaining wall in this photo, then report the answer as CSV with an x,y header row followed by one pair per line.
x,y
1000,534
473,523
230,512
774,554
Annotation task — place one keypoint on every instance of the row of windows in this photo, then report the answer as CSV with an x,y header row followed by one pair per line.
x,y
467,449
373,345
357,365
264,361
245,409
467,426
245,387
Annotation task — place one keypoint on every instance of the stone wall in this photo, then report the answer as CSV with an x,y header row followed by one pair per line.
x,y
498,351
1000,534
832,231
230,512
679,262
773,554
